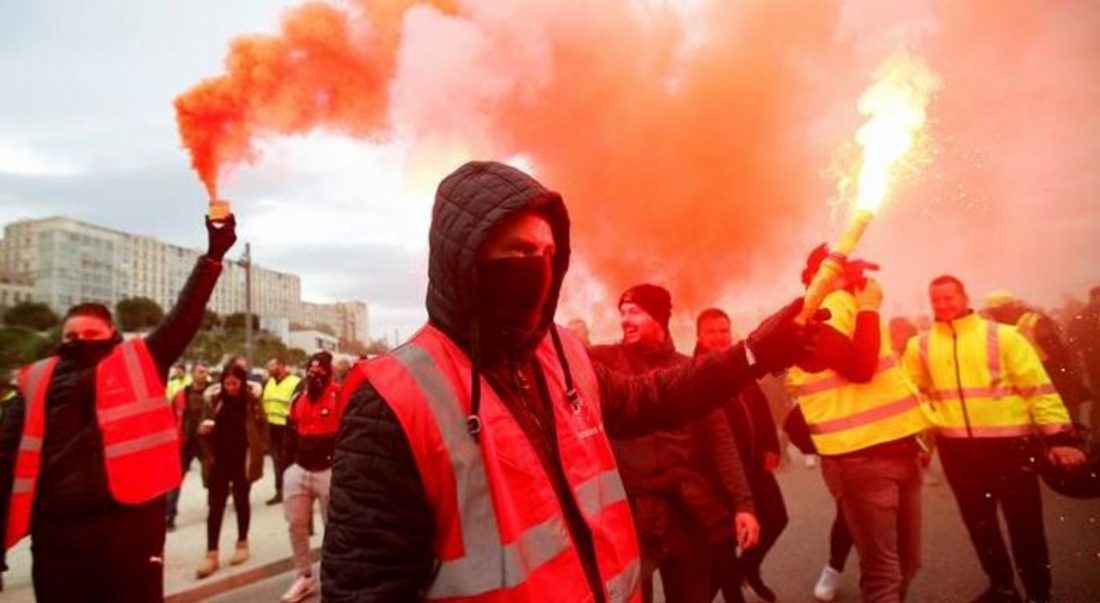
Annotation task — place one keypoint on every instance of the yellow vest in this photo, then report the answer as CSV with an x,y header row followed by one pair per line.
x,y
1027,325
175,386
277,395
984,379
846,417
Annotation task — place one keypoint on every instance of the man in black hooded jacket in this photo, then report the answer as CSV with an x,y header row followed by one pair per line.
x,y
493,290
87,546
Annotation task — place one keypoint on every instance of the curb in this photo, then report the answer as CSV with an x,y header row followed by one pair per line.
x,y
205,590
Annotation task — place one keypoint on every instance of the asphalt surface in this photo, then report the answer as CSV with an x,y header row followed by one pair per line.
x,y
950,571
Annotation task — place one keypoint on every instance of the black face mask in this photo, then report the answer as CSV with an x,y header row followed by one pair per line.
x,y
513,294
86,353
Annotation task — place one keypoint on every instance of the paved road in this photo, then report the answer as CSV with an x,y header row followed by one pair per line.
x,y
950,573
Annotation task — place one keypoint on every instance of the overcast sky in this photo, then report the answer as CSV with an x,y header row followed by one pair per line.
x,y
87,130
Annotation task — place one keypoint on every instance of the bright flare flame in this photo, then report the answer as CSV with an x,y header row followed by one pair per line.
x,y
895,104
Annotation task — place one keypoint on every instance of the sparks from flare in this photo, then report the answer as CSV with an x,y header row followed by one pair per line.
x,y
895,104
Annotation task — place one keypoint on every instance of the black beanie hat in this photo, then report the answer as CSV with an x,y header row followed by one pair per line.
x,y
655,300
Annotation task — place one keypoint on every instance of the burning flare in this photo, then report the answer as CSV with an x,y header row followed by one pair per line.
x,y
896,105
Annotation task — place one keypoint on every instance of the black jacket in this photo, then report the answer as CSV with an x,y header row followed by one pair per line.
x,y
379,541
72,481
677,476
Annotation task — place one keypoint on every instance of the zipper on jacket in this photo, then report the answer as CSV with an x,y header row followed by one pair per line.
x,y
958,378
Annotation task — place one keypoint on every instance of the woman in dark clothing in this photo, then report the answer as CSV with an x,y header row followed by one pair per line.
x,y
233,444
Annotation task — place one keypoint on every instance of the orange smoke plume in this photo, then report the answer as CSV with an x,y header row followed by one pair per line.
x,y
328,68
689,139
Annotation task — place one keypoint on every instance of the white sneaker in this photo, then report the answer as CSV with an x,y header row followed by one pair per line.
x,y
303,587
825,589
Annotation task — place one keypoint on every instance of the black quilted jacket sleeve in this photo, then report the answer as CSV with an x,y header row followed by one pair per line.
x,y
668,397
378,543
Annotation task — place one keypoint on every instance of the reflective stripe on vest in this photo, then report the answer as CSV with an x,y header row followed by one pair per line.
x,y
993,352
532,550
34,382
140,436
990,406
834,381
276,398
477,571
867,417
140,439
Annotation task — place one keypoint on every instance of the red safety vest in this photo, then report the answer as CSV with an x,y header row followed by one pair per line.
x,y
500,531
140,440
319,417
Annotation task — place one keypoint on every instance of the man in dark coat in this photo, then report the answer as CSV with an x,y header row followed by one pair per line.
x,y
750,418
87,546
685,484
379,546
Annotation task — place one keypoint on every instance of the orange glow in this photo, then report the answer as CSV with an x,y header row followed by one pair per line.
x,y
895,104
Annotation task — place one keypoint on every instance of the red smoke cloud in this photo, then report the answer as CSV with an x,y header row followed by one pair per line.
x,y
690,146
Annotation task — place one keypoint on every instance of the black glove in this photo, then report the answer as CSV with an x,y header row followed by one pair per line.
x,y
779,342
220,236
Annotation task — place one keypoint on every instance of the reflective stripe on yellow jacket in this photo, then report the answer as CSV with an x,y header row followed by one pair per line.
x,y
277,395
845,417
984,379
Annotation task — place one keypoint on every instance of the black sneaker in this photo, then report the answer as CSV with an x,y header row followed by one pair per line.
x,y
998,594
758,588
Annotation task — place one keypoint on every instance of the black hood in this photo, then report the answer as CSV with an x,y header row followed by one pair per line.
x,y
468,203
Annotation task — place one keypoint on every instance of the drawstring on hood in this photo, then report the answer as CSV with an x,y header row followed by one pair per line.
x,y
468,204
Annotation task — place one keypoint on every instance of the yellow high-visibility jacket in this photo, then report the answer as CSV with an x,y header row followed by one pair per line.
x,y
984,379
846,417
1027,326
277,396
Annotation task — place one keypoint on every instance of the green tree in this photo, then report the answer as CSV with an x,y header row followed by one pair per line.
x,y
210,320
20,346
138,313
35,316
236,321
296,357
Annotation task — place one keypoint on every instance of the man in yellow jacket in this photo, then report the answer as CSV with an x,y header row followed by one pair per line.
x,y
990,393
864,415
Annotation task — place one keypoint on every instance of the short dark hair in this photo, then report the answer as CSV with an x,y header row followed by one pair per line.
x,y
710,314
93,309
947,278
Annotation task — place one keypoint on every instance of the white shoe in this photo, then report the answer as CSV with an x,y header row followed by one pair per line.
x,y
810,460
303,587
825,589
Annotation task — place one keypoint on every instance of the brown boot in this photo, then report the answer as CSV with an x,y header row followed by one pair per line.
x,y
208,566
241,554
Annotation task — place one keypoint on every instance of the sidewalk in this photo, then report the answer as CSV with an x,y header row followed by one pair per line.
x,y
185,547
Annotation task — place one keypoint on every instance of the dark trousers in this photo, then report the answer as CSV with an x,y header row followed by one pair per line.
x,y
727,570
221,483
987,472
685,576
117,556
840,541
188,453
771,512
276,434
